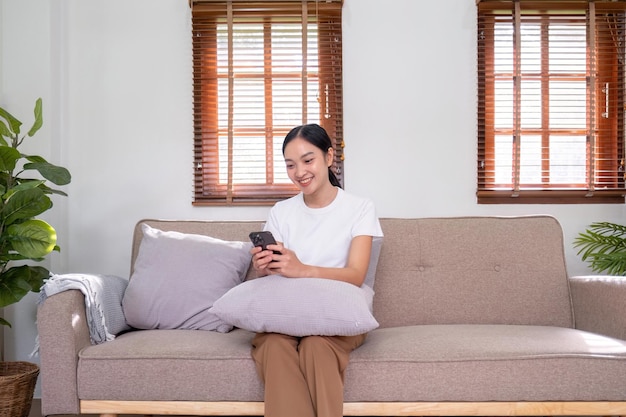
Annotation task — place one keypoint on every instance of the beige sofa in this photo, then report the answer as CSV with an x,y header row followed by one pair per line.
x,y
477,317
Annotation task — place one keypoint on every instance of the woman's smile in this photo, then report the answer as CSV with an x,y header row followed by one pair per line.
x,y
305,181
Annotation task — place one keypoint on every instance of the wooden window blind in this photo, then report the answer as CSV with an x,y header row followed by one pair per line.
x,y
551,101
261,68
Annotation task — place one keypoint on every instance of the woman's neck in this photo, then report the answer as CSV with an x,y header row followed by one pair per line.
x,y
322,197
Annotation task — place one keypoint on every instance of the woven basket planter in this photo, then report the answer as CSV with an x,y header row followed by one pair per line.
x,y
17,385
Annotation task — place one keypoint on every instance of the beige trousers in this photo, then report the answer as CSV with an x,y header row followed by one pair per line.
x,y
303,376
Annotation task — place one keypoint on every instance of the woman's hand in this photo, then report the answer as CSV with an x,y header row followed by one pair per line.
x,y
261,260
276,259
286,263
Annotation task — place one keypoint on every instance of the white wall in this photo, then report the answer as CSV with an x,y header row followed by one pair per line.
x,y
116,81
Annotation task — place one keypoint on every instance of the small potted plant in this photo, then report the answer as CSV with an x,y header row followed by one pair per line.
x,y
24,239
603,246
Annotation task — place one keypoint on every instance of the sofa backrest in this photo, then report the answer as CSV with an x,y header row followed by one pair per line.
x,y
465,270
462,270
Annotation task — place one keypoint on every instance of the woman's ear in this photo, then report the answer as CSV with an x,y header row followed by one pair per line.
x,y
330,156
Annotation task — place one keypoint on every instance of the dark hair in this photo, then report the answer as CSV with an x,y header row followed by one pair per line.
x,y
315,135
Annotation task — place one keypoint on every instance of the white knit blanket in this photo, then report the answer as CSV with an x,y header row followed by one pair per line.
x,y
103,301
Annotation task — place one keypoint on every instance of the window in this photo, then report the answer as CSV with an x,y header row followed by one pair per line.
x,y
551,101
260,69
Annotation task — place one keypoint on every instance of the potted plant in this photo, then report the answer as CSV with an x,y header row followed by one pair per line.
x,y
603,246
24,239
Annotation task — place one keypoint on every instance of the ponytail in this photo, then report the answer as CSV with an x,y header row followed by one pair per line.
x,y
333,178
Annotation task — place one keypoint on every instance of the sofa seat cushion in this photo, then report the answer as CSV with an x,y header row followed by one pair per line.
x,y
193,365
412,363
486,363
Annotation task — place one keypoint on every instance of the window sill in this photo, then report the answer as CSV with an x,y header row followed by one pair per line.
x,y
551,197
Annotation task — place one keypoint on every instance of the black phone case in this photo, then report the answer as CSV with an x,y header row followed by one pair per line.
x,y
263,239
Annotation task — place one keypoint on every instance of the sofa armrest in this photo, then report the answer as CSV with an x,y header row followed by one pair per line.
x,y
63,332
599,303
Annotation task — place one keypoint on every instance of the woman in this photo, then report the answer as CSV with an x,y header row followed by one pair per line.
x,y
323,232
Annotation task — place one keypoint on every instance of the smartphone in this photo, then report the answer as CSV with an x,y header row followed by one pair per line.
x,y
263,239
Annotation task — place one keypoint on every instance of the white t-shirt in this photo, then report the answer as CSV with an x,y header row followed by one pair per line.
x,y
322,236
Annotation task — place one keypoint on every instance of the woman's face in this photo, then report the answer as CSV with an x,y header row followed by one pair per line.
x,y
307,165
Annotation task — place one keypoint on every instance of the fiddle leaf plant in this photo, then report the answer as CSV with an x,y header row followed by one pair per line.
x,y
603,246
24,195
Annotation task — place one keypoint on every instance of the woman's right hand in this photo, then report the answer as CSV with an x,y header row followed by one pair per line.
x,y
261,260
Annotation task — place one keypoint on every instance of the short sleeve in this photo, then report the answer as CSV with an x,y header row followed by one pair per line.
x,y
367,222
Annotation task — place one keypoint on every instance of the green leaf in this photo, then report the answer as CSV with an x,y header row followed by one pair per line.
x,y
56,174
27,185
5,179
18,281
13,287
603,246
30,183
43,187
5,258
14,124
32,238
35,158
36,277
3,322
38,118
4,131
48,190
25,204
8,158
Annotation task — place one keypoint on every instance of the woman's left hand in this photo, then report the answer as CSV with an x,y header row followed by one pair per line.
x,y
286,263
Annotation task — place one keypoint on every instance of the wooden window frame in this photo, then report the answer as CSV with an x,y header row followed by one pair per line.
x,y
209,187
604,136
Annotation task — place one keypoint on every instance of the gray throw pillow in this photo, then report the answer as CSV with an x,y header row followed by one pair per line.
x,y
298,307
177,277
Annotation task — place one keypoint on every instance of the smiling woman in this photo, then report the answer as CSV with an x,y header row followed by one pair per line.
x,y
324,234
